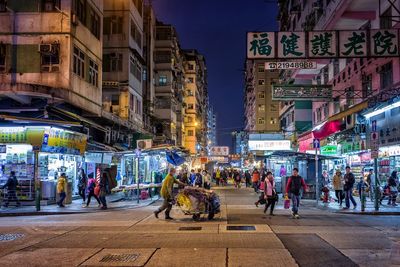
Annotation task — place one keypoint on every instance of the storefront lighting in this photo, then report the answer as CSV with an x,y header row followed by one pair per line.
x,y
382,110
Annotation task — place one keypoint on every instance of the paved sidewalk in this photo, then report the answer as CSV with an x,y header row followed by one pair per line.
x,y
114,202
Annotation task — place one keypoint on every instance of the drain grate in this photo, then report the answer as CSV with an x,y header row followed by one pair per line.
x,y
120,258
190,228
10,237
241,228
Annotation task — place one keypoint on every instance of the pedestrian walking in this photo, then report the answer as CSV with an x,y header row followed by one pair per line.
x,y
62,189
293,186
198,181
324,186
82,183
183,178
224,176
392,184
262,199
349,181
217,177
91,185
270,193
237,179
247,177
255,179
103,190
371,182
166,193
11,185
192,177
207,180
338,187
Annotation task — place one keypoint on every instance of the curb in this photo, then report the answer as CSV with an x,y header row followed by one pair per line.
x,y
387,213
45,213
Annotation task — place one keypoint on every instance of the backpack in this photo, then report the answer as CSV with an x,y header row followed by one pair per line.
x,y
91,186
295,185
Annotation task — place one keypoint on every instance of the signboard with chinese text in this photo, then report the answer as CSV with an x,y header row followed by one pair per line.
x,y
329,150
61,141
219,151
21,135
270,145
290,65
303,92
323,44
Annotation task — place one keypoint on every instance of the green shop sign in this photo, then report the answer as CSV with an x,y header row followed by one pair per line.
x,y
329,150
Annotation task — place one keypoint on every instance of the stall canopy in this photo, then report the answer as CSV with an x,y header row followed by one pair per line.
x,y
327,129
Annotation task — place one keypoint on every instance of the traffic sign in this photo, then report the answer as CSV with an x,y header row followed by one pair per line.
x,y
316,143
373,126
374,145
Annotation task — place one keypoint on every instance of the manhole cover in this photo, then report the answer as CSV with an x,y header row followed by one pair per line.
x,y
10,237
241,228
120,258
190,228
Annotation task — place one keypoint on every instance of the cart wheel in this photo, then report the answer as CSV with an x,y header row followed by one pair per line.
x,y
196,217
211,216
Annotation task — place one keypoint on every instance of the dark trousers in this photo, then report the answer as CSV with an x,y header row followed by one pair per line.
x,y
349,196
82,193
103,201
167,206
62,195
217,181
11,196
255,186
338,194
270,202
91,194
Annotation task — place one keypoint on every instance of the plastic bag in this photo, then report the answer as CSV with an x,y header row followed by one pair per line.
x,y
286,203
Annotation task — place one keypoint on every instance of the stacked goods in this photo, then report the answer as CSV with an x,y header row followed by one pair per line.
x,y
198,200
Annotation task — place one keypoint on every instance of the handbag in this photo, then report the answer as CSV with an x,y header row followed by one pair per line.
x,y
286,203
97,190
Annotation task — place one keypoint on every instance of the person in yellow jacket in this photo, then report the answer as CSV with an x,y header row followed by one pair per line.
x,y
62,189
166,193
338,186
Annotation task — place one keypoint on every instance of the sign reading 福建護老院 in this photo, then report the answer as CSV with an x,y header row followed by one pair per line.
x,y
303,92
286,65
219,151
323,44
329,150
269,145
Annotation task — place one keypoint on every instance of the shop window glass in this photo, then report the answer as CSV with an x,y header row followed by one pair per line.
x,y
394,112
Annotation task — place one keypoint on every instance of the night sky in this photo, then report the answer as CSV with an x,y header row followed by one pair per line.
x,y
217,29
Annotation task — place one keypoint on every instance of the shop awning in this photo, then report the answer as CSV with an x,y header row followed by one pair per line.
x,y
349,111
328,128
26,120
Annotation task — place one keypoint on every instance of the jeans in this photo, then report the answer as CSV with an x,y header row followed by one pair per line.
x,y
103,200
270,202
81,192
91,194
349,196
255,186
167,206
338,194
62,195
295,203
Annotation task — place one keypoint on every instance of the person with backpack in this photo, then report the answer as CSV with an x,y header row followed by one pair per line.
x,y
11,185
90,192
82,185
293,186
349,181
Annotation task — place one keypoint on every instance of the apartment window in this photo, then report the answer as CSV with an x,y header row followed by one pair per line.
x,y
162,80
139,5
366,86
93,73
138,106
94,23
50,57
131,102
190,106
136,34
261,82
112,25
261,120
190,119
50,5
190,67
190,133
190,80
115,100
292,116
80,10
189,93
273,121
261,95
162,57
261,107
135,68
112,62
335,67
319,116
326,111
273,107
261,68
386,75
79,63
336,104
3,53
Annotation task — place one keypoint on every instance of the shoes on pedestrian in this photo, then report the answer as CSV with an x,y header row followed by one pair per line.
x,y
271,214
345,208
169,218
99,205
256,203
355,206
394,205
61,206
156,214
104,208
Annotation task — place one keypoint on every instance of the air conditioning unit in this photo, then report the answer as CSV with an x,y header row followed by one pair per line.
x,y
350,121
144,143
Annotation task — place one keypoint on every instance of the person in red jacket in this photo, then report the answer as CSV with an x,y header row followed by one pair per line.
x,y
293,186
